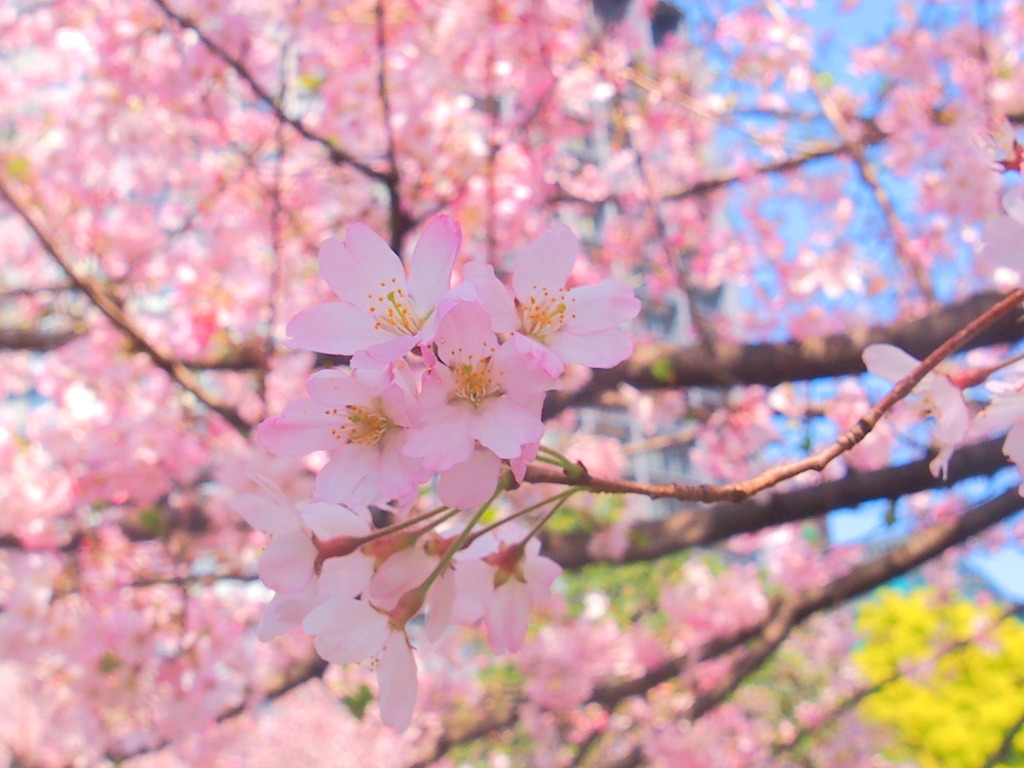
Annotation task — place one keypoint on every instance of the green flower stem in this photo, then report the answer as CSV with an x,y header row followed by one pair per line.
x,y
396,527
543,521
457,545
559,498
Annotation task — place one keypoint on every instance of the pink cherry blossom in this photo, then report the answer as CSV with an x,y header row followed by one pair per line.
x,y
361,418
384,310
345,631
518,579
480,394
579,325
941,397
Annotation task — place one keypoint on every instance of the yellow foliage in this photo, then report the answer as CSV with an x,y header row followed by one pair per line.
x,y
952,710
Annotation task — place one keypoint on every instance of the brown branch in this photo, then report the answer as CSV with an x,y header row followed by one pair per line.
x,y
855,148
794,609
400,221
336,154
181,374
296,674
819,460
661,366
35,340
703,526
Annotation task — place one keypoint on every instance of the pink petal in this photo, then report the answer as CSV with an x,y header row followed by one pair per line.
x,y
604,349
440,602
545,263
397,682
287,563
329,521
431,262
285,612
474,585
346,576
339,389
355,270
334,328
388,351
471,483
598,307
540,572
445,442
303,427
889,362
505,426
346,631
527,367
401,572
493,295
465,335
508,616
266,515
348,478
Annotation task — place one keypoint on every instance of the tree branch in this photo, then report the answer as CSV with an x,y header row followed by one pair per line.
x,y
185,378
788,612
663,366
702,526
337,155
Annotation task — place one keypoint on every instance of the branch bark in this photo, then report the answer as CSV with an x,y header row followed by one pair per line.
x,y
702,526
665,366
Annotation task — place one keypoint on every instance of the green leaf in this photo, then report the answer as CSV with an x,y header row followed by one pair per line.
x,y
358,701
662,372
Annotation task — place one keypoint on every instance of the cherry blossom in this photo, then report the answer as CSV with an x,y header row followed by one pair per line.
x,y
345,630
385,310
362,419
941,397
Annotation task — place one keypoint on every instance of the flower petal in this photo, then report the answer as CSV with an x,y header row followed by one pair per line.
x,y
544,265
398,683
431,262
334,328
346,631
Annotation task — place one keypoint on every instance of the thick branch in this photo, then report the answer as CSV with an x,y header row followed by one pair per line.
x,y
661,366
817,461
703,526
35,340
794,609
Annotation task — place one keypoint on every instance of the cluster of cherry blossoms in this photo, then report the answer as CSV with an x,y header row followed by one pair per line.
x,y
445,386
940,392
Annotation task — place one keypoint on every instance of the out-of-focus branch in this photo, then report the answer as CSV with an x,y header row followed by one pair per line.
x,y
861,693
35,340
663,366
703,526
181,374
296,674
1005,749
337,155
792,610
855,148
787,613
818,461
